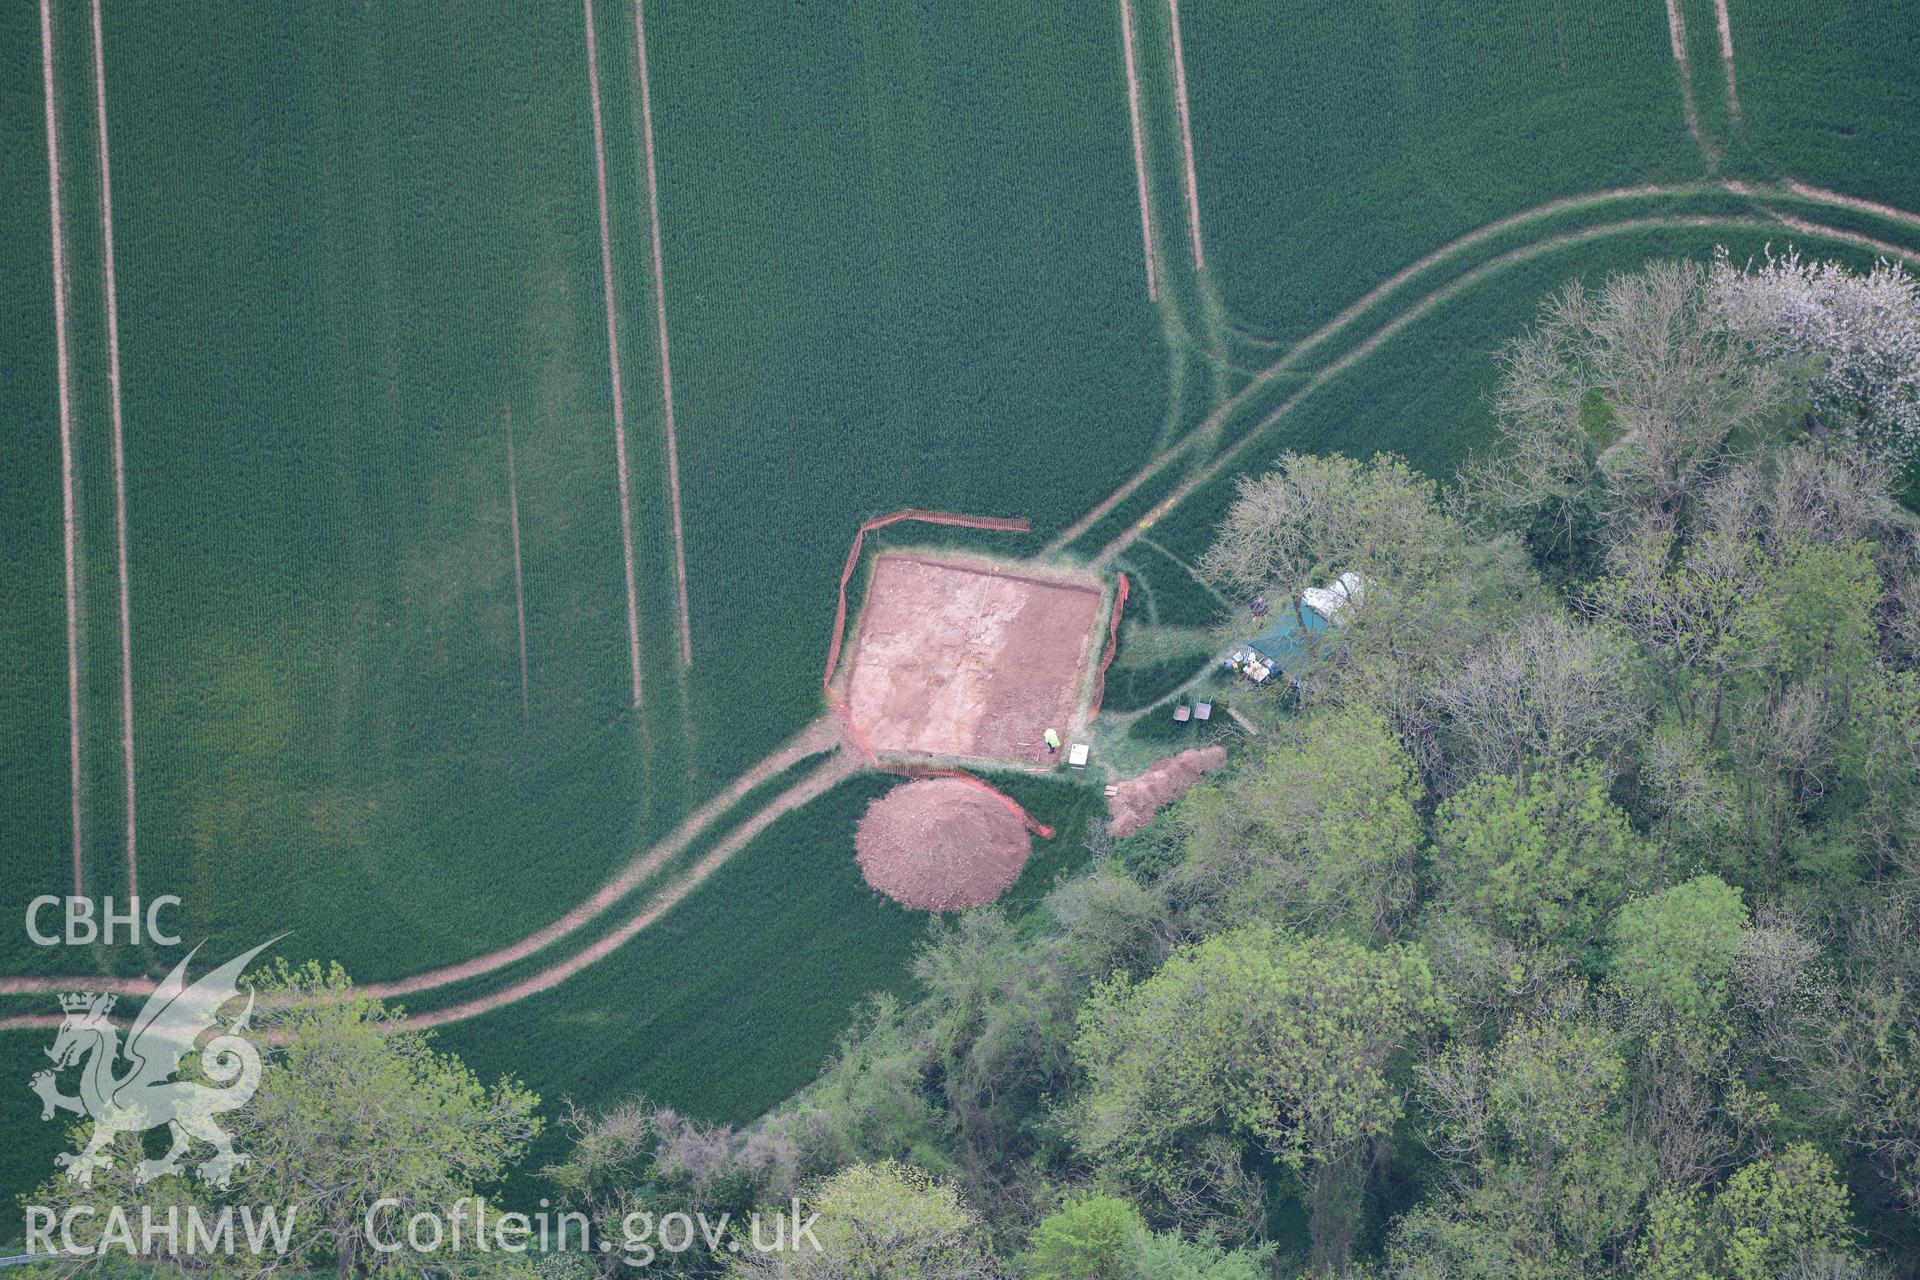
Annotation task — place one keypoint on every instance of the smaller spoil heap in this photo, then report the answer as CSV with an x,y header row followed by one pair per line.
x,y
1135,801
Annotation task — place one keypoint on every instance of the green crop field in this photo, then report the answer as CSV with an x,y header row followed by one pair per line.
x,y
33,696
1417,123
1166,591
1827,92
329,305
332,629
725,1033
873,255
359,258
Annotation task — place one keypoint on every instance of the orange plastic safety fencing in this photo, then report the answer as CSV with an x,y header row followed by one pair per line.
x,y
844,713
1004,524
1113,644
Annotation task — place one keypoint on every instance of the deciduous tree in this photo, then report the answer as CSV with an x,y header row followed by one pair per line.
x,y
1315,517
1771,1214
1321,830
1676,947
355,1109
1282,1041
1859,335
1549,691
1544,860
883,1221
1090,1237
1654,347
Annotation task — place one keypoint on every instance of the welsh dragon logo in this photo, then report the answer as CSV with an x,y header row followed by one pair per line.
x,y
130,1089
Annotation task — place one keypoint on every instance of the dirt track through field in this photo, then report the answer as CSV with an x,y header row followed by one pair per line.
x,y
1220,416
1725,23
1400,321
817,783
1139,148
824,732
613,354
1823,196
1677,32
1186,137
519,583
820,735
1193,573
1885,248
64,371
666,361
816,737
119,450
1293,355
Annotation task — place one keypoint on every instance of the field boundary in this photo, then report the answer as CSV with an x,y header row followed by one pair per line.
x,y
1113,647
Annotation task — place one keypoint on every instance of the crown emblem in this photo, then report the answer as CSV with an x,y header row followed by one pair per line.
x,y
129,1090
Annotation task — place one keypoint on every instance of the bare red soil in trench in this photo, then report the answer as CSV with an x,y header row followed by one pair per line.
x,y
958,659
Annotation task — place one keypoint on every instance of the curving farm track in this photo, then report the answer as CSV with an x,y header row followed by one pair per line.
x,y
1363,327
1224,418
824,733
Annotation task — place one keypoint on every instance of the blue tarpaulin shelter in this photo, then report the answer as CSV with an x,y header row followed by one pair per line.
x,y
1284,644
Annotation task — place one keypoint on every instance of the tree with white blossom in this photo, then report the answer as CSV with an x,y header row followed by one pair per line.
x,y
1861,331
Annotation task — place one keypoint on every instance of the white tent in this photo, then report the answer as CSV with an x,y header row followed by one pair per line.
x,y
1335,596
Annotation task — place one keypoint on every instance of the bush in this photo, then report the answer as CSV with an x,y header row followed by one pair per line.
x,y
1678,946
1091,1237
